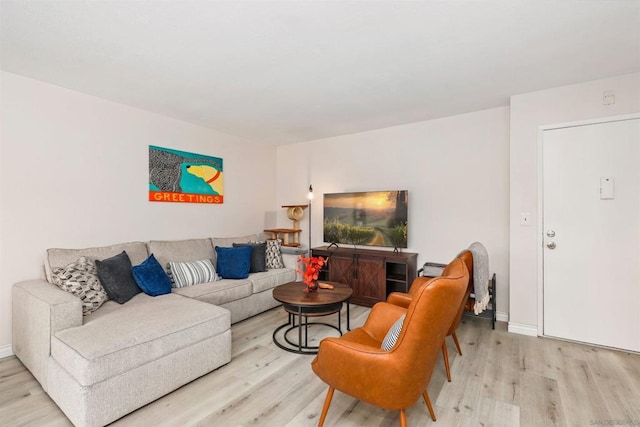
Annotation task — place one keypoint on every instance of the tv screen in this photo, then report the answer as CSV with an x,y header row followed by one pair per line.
x,y
372,218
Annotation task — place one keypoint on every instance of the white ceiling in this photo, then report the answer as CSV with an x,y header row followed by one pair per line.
x,y
285,71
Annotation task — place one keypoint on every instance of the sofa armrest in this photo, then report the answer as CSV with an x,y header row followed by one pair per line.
x,y
290,261
40,309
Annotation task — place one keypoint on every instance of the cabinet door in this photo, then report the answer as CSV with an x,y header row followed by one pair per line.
x,y
370,281
341,270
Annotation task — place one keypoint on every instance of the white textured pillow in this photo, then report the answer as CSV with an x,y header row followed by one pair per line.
x,y
393,334
273,255
80,278
191,273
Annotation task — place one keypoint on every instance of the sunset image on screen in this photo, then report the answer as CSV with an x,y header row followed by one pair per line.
x,y
377,218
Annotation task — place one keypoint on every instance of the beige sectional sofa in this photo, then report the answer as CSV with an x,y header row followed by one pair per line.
x,y
100,367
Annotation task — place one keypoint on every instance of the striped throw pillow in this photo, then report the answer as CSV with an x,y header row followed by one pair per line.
x,y
393,334
191,273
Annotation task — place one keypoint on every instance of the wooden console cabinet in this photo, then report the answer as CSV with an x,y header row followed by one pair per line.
x,y
372,274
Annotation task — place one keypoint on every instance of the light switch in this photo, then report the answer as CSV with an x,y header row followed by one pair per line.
x,y
525,218
606,187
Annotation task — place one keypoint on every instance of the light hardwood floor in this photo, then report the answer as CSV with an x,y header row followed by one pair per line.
x,y
502,379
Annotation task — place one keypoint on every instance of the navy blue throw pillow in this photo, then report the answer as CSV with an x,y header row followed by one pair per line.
x,y
116,278
151,277
233,263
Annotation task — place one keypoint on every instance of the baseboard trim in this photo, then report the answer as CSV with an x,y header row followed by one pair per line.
x,y
522,329
6,351
501,316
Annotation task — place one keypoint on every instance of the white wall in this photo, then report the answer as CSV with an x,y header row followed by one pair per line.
x,y
529,112
74,173
456,170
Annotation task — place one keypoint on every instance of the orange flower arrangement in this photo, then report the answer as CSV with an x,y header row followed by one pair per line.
x,y
311,269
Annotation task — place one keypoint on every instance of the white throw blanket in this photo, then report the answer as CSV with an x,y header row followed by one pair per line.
x,y
480,276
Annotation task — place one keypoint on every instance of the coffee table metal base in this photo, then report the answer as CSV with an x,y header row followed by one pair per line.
x,y
295,311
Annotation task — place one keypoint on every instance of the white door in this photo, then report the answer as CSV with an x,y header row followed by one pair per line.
x,y
591,213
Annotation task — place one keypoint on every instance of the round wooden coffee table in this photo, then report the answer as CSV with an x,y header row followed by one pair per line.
x,y
297,303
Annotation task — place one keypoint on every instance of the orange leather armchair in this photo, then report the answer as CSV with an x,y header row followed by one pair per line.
x,y
403,300
356,365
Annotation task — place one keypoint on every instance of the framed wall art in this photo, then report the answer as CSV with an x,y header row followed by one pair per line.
x,y
182,177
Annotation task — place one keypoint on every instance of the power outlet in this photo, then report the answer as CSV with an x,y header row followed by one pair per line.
x,y
608,97
525,218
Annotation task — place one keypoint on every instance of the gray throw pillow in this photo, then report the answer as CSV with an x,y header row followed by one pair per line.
x,y
117,279
258,255
393,334
80,278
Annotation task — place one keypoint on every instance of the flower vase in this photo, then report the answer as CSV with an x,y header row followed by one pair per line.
x,y
311,287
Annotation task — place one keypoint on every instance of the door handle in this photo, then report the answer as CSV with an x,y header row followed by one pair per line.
x,y
551,245
551,233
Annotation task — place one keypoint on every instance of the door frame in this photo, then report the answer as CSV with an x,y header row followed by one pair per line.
x,y
540,207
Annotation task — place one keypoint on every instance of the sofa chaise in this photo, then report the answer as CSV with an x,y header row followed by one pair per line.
x,y
99,367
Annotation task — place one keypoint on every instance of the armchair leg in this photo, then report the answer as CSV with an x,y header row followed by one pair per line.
x,y
325,408
428,402
455,340
403,418
445,355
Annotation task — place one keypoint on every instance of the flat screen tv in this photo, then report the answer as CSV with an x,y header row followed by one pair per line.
x,y
371,218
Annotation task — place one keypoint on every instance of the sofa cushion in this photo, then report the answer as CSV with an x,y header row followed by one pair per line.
x,y
234,263
119,338
151,277
117,279
167,251
80,278
218,292
258,256
55,257
271,278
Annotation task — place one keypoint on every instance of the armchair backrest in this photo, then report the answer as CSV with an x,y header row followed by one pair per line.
x,y
433,307
467,257
417,284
